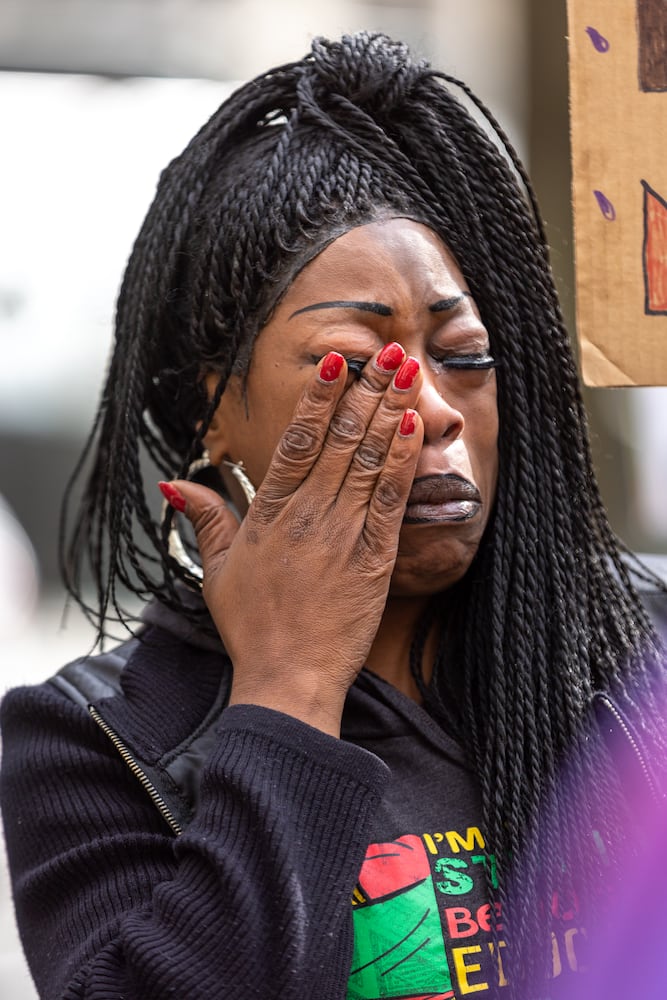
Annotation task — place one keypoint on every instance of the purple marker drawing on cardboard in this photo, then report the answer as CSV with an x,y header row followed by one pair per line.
x,y
599,41
606,206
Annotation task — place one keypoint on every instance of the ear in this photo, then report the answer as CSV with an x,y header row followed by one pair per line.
x,y
217,439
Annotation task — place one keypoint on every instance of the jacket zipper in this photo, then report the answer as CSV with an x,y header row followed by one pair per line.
x,y
625,729
136,770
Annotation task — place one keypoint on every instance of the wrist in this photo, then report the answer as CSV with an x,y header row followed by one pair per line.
x,y
313,704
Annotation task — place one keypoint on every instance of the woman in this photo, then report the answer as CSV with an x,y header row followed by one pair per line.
x,y
340,300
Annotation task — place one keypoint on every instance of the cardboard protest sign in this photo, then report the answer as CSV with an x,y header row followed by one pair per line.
x,y
618,86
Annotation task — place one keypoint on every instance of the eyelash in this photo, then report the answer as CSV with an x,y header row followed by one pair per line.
x,y
469,362
355,366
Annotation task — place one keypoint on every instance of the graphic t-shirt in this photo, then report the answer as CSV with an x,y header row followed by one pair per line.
x,y
424,925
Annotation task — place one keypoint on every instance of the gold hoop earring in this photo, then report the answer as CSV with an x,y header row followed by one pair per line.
x,y
175,545
238,472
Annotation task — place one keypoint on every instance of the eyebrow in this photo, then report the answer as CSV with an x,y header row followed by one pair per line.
x,y
444,305
373,307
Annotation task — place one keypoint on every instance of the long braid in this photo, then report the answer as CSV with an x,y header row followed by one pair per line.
x,y
354,131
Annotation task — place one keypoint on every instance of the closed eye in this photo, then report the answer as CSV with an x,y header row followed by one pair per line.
x,y
469,362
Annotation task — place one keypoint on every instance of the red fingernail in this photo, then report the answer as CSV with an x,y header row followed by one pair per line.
x,y
389,357
406,374
172,495
408,423
332,366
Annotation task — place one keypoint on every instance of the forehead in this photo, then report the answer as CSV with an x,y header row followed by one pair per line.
x,y
392,257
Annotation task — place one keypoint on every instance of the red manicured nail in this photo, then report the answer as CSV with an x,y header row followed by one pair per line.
x,y
172,495
408,423
332,366
389,357
406,374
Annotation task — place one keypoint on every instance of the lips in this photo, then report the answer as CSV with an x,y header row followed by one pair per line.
x,y
442,498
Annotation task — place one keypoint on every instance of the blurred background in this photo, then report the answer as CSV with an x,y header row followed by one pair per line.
x,y
95,97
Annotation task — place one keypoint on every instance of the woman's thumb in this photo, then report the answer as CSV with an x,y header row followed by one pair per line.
x,y
213,522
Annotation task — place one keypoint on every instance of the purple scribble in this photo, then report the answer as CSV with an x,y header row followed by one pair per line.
x,y
600,43
606,206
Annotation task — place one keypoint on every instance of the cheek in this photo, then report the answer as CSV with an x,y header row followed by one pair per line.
x,y
483,423
491,455
264,426
261,440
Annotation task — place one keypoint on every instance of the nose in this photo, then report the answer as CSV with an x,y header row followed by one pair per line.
x,y
442,421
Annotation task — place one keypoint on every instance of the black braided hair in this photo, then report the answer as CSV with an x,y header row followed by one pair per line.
x,y
547,614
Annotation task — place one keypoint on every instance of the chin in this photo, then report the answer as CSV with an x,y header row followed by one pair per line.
x,y
434,570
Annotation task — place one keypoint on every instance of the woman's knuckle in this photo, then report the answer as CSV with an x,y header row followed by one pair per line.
x,y
346,427
263,511
303,522
370,455
388,494
298,439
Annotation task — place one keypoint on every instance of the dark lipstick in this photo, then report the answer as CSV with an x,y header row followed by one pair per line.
x,y
441,498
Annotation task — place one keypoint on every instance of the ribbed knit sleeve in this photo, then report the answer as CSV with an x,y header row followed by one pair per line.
x,y
253,900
